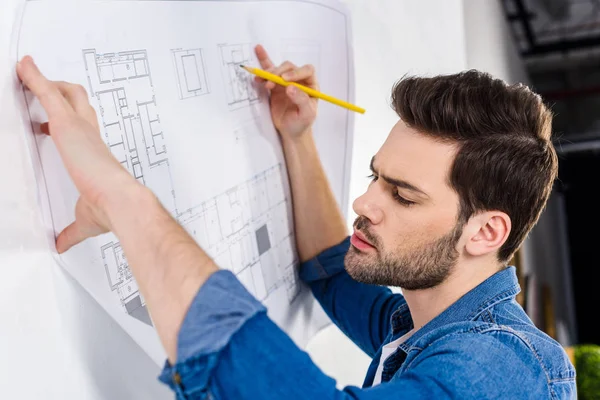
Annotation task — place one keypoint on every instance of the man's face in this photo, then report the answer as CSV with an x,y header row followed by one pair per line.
x,y
406,232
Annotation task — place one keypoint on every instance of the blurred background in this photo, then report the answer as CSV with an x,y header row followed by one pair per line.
x,y
559,43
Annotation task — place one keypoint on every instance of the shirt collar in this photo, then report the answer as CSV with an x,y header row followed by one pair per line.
x,y
498,287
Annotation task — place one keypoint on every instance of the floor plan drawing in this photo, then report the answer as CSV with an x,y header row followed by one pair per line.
x,y
177,111
191,74
121,85
246,230
238,83
121,280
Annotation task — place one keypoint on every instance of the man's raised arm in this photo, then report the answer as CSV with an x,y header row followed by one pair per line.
x,y
319,223
166,262
361,311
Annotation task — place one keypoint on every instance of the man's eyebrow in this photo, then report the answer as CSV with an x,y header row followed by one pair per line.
x,y
398,182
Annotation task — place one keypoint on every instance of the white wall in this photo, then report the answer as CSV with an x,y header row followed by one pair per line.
x,y
489,43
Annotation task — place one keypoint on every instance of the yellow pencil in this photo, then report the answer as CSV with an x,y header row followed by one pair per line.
x,y
311,92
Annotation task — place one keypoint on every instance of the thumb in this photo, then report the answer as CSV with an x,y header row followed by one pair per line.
x,y
297,96
69,237
302,100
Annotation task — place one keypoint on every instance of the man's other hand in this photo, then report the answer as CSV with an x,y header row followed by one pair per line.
x,y
293,111
73,126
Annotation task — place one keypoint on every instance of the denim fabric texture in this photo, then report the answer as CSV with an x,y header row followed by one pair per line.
x,y
484,346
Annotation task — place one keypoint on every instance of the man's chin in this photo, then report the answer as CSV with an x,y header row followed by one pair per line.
x,y
362,271
355,258
353,253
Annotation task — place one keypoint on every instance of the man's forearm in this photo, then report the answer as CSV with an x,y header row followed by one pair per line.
x,y
168,265
319,223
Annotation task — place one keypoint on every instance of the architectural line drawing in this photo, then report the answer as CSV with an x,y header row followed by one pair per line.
x,y
238,83
121,86
121,280
246,229
191,73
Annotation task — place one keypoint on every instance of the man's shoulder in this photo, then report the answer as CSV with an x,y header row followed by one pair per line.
x,y
478,359
519,350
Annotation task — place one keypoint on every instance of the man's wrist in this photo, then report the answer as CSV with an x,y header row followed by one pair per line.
x,y
128,198
298,143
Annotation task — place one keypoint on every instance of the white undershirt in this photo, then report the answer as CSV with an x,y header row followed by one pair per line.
x,y
387,351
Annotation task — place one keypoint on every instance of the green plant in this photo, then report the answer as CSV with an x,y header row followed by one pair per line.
x,y
587,367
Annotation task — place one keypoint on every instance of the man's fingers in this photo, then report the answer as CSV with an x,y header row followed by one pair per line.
x,y
69,237
262,81
306,109
76,95
282,69
56,97
263,58
78,98
305,73
47,93
299,98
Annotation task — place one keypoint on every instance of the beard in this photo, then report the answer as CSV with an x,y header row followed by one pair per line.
x,y
422,267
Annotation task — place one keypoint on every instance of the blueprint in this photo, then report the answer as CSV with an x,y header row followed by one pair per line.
x,y
178,113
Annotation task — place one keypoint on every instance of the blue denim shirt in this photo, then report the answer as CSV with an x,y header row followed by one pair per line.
x,y
483,346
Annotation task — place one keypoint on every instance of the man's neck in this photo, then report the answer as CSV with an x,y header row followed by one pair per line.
x,y
426,304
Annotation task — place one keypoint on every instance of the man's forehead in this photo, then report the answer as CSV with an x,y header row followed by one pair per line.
x,y
415,157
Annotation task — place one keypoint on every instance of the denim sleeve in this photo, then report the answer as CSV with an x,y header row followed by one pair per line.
x,y
230,349
262,362
220,308
363,312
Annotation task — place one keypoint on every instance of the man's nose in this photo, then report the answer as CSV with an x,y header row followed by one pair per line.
x,y
366,206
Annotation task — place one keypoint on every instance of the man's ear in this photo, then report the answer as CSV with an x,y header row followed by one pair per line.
x,y
491,229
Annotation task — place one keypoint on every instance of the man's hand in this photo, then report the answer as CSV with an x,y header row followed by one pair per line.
x,y
166,262
293,111
73,125
318,221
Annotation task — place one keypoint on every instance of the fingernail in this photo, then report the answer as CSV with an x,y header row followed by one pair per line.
x,y
293,90
287,75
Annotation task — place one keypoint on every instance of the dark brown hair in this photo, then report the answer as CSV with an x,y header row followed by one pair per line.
x,y
505,161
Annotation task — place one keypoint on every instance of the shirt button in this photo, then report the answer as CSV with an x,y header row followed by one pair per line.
x,y
177,378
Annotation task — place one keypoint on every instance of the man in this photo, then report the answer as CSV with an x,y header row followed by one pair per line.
x,y
456,187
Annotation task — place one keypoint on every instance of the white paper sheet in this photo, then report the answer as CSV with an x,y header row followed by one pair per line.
x,y
177,111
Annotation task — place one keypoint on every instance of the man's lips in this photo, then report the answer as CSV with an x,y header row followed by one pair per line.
x,y
359,241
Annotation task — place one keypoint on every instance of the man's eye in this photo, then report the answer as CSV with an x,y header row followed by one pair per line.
x,y
372,177
401,199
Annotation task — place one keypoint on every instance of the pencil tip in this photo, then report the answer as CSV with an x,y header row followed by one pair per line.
x,y
242,66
